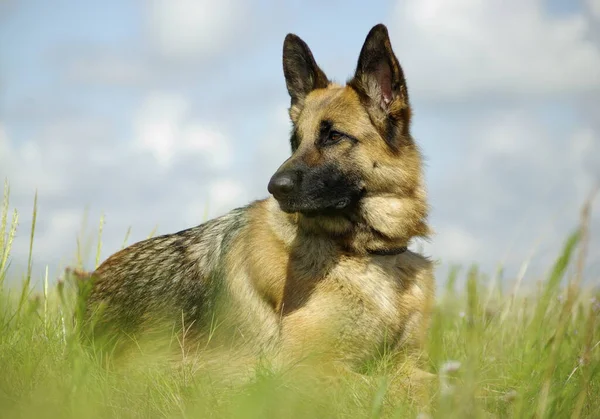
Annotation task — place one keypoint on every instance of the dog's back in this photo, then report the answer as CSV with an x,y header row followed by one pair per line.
x,y
166,276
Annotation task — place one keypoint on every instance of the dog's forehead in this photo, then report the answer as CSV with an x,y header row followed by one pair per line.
x,y
339,105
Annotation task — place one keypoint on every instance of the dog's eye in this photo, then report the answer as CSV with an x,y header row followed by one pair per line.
x,y
333,137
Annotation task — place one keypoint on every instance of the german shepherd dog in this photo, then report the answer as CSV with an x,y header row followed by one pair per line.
x,y
322,265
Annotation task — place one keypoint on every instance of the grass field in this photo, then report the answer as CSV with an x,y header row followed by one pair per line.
x,y
497,354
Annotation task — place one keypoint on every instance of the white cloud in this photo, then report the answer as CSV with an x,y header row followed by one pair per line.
x,y
184,28
460,48
28,167
585,152
594,6
162,127
5,149
517,185
455,244
208,142
164,176
102,67
158,124
60,233
509,177
274,147
226,193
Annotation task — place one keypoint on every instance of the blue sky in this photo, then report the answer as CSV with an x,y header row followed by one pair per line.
x,y
159,113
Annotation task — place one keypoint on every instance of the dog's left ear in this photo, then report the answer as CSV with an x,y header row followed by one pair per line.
x,y
380,80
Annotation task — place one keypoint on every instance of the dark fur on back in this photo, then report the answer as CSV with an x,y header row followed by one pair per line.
x,y
167,275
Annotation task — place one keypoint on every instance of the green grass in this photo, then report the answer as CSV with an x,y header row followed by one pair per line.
x,y
498,354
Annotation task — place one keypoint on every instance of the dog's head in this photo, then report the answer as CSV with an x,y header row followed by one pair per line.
x,y
348,142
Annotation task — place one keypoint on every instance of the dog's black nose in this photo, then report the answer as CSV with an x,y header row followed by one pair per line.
x,y
282,184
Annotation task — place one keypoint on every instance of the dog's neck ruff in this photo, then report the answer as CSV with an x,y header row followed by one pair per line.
x,y
388,252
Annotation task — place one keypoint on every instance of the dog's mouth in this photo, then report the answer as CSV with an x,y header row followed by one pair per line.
x,y
309,209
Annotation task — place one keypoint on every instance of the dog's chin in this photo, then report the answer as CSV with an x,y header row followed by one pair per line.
x,y
308,209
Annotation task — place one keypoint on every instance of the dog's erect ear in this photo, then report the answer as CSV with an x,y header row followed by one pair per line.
x,y
378,70
379,79
302,74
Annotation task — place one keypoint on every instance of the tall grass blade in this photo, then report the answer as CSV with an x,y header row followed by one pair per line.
x,y
26,283
126,238
7,233
99,248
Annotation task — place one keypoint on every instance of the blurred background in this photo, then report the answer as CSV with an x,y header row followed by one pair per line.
x,y
162,113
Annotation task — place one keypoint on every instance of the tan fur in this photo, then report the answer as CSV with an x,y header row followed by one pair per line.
x,y
396,203
291,285
332,302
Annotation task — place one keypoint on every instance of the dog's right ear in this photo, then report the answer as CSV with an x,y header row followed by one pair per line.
x,y
302,74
